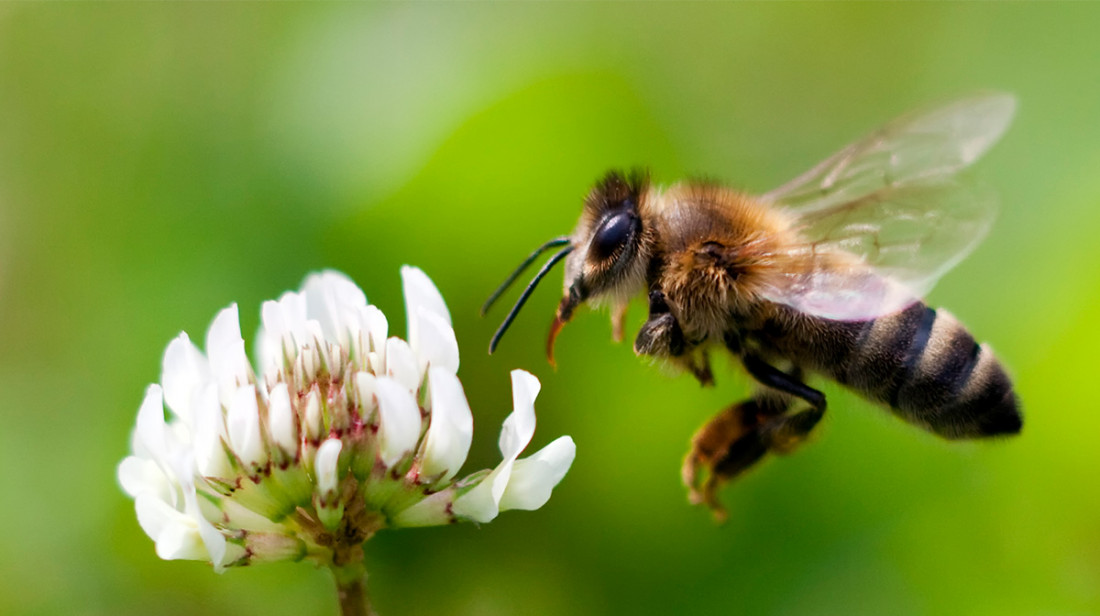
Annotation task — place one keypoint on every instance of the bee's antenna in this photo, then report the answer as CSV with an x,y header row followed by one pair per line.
x,y
558,256
554,243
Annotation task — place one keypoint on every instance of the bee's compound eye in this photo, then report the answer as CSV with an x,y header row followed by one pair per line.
x,y
611,236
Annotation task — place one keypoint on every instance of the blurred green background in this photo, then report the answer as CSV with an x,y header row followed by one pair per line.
x,y
158,162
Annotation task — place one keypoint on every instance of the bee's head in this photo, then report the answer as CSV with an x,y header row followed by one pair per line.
x,y
605,257
609,257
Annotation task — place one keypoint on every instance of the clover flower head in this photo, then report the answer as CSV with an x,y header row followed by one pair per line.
x,y
343,430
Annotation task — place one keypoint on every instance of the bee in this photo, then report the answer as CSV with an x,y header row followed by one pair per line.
x,y
823,275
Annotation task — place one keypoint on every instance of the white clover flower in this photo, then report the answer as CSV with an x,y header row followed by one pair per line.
x,y
344,431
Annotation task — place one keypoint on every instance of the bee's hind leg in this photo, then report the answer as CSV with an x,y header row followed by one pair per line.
x,y
727,445
784,432
738,437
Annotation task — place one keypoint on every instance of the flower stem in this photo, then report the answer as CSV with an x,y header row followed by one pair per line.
x,y
351,590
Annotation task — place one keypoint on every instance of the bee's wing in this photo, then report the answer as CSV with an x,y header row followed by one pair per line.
x,y
919,147
882,219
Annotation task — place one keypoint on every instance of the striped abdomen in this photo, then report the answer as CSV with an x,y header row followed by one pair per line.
x,y
925,366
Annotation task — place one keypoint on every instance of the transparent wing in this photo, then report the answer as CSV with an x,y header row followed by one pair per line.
x,y
876,255
884,218
919,147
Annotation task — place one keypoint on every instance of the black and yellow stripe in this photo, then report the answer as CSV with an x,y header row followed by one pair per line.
x,y
923,364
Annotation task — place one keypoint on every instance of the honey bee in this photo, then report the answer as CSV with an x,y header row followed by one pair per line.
x,y
822,275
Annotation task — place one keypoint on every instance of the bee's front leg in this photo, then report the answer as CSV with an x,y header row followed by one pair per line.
x,y
660,335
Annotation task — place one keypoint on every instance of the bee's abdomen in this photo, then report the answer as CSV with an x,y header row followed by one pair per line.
x,y
931,371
